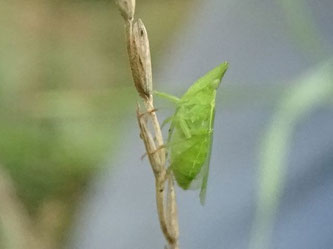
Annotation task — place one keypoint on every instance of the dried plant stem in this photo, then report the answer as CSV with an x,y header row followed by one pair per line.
x,y
157,129
167,212
150,130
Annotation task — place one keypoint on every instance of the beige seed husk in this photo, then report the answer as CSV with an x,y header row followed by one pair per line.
x,y
142,60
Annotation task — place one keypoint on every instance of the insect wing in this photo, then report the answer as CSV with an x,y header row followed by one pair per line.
x,y
205,167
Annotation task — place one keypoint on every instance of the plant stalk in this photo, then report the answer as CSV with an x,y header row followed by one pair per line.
x,y
150,129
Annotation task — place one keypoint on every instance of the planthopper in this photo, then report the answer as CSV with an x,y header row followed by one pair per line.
x,y
191,131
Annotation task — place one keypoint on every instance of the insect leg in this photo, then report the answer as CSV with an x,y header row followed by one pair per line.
x,y
147,112
167,120
169,97
184,127
153,152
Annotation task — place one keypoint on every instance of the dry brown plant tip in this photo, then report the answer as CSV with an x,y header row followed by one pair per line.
x,y
127,8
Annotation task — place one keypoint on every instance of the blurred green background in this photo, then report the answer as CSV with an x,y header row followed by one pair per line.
x,y
64,89
66,94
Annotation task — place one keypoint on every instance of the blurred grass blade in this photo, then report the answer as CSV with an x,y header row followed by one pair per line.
x,y
300,99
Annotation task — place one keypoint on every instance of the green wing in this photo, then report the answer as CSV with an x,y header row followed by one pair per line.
x,y
205,167
217,73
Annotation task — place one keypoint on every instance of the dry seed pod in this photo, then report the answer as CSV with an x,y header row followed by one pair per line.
x,y
127,8
142,59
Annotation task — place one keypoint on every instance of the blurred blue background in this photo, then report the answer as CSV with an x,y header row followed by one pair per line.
x,y
71,174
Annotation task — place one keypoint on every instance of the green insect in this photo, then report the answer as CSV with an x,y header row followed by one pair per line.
x,y
191,130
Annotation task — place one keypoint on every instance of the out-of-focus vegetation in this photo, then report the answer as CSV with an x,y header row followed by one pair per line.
x,y
312,91
301,97
65,92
